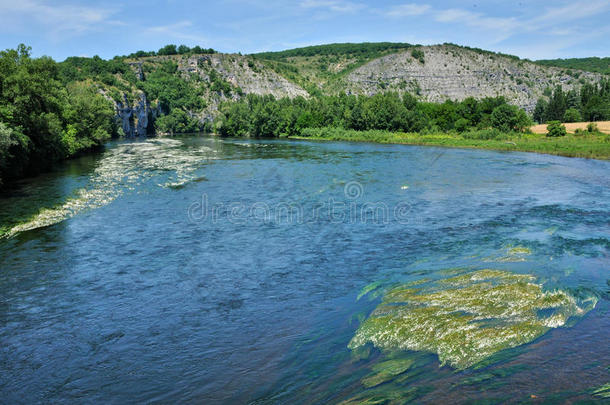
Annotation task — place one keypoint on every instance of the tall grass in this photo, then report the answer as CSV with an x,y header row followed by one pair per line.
x,y
596,146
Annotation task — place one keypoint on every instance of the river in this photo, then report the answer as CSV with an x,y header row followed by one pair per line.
x,y
207,270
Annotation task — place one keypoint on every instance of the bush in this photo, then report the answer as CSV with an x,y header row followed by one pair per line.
x,y
178,121
555,129
592,127
462,125
509,118
572,115
419,55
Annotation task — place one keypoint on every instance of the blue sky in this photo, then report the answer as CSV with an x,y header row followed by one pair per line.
x,y
529,29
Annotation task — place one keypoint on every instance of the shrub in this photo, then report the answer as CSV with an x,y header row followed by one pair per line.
x,y
592,127
419,55
572,115
555,129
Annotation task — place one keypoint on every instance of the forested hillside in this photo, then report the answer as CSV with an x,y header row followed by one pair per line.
x,y
599,65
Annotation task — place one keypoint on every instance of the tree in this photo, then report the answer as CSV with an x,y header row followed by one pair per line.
x,y
183,49
508,118
555,129
168,50
557,105
540,111
572,115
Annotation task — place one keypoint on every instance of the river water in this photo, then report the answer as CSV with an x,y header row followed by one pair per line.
x,y
211,270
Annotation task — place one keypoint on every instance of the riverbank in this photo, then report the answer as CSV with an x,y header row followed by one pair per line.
x,y
593,146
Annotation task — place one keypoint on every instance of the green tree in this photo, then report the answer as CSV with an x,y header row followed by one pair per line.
x,y
557,105
168,50
572,115
508,118
555,129
540,111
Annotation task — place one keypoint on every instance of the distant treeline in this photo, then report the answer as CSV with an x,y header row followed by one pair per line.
x,y
599,65
590,103
43,119
172,49
263,116
366,49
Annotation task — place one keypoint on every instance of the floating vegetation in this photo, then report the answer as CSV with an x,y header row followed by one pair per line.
x,y
603,391
469,317
512,254
385,397
386,370
519,250
122,169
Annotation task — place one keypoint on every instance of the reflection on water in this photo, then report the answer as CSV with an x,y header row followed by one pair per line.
x,y
110,293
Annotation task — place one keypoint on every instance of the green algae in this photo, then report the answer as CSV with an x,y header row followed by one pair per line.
x,y
519,250
368,288
122,169
467,318
511,254
386,371
603,391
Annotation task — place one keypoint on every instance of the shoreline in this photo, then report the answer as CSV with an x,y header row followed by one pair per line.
x,y
589,146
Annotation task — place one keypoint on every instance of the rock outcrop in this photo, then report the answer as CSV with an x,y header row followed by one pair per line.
x,y
136,120
454,73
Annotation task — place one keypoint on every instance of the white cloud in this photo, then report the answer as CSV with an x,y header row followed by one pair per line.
x,y
336,6
59,19
477,20
407,10
179,30
573,11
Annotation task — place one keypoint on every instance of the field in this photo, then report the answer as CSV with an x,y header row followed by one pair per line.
x,y
602,126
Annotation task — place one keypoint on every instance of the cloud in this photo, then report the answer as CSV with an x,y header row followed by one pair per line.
x,y
179,30
478,20
59,19
407,10
336,6
573,11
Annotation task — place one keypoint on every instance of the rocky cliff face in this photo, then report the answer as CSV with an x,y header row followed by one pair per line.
x,y
243,72
450,72
136,120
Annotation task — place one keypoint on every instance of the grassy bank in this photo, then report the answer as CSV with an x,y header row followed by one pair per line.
x,y
595,146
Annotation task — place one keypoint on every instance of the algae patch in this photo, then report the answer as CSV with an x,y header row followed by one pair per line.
x,y
123,169
603,391
468,317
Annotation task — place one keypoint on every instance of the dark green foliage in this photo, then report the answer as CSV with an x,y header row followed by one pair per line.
x,y
264,116
172,49
557,105
572,115
79,68
592,127
555,129
509,118
172,91
219,85
367,49
89,119
483,51
418,54
600,65
177,121
540,111
591,103
42,121
168,50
